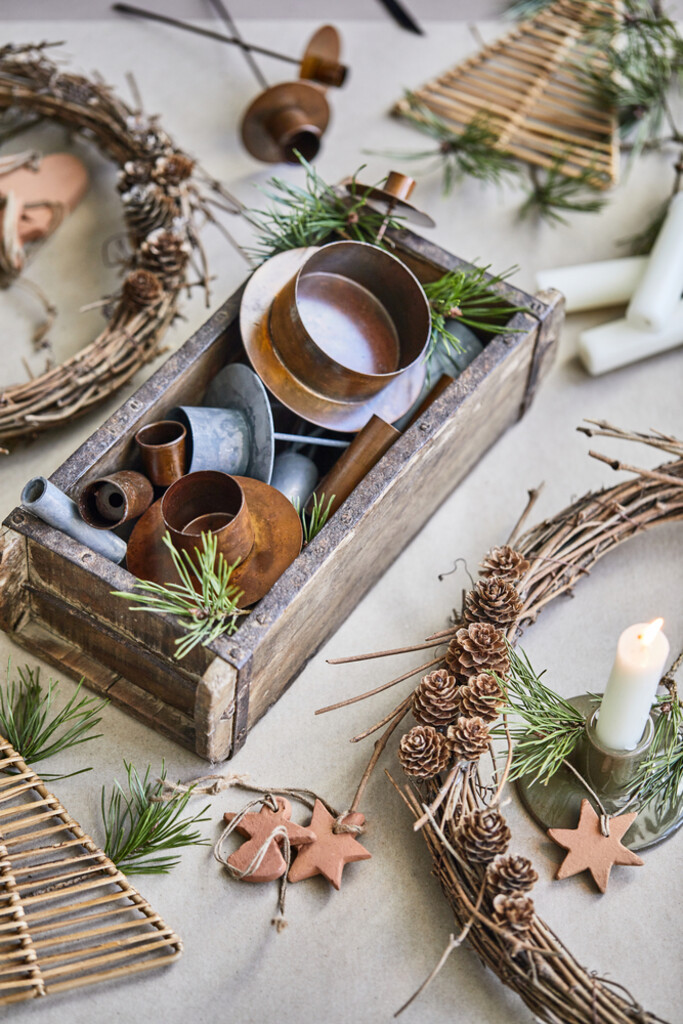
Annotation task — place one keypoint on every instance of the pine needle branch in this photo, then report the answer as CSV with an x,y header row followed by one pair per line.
x,y
29,722
204,601
312,215
552,193
546,729
474,298
138,827
661,775
313,521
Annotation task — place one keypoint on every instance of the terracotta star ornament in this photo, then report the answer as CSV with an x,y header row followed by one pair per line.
x,y
590,850
258,827
331,850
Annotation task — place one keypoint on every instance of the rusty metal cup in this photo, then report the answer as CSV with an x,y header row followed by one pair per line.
x,y
162,448
111,500
209,501
350,321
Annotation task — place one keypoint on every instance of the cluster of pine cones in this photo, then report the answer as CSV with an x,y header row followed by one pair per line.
x,y
455,707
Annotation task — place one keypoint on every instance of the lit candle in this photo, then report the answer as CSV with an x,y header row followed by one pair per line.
x,y
630,692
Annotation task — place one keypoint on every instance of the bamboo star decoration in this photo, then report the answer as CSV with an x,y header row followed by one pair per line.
x,y
331,850
257,828
590,850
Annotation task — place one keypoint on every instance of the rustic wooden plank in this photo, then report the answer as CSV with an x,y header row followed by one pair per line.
x,y
215,711
67,659
153,712
13,575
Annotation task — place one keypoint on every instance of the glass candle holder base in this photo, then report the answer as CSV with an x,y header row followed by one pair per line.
x,y
610,774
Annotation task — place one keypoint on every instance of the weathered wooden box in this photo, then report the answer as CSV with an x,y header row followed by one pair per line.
x,y
55,594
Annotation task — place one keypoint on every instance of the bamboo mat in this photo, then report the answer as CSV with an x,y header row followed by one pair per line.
x,y
528,85
68,916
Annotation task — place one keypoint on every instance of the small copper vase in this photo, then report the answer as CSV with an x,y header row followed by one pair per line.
x,y
209,501
162,448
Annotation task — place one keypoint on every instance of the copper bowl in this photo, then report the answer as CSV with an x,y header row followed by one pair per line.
x,y
350,321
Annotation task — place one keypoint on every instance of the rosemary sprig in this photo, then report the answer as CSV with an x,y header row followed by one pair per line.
x,y
138,826
312,522
471,152
552,193
474,298
35,730
205,613
312,214
549,727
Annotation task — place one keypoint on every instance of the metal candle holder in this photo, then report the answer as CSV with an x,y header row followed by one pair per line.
x,y
610,774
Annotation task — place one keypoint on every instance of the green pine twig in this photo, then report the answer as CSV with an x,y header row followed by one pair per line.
x,y
312,214
660,776
313,521
552,194
36,731
205,612
474,298
546,728
138,827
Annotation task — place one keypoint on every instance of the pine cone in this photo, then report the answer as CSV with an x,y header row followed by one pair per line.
x,y
479,648
493,600
147,207
133,172
481,698
172,169
435,701
140,289
515,913
469,739
166,255
505,563
424,752
482,836
511,875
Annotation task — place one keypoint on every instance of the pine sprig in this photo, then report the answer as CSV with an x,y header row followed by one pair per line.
x,y
473,152
30,724
474,298
552,194
312,214
205,613
661,775
138,826
547,727
313,521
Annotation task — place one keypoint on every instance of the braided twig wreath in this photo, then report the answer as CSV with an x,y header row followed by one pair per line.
x,y
162,196
458,807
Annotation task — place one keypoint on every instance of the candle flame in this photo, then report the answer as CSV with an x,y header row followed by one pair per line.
x,y
650,631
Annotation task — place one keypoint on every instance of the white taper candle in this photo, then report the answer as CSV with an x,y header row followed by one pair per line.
x,y
619,343
642,651
595,285
660,288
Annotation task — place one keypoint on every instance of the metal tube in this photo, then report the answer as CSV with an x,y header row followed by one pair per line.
x,y
55,508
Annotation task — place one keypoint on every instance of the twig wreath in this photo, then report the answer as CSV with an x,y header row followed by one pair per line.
x,y
455,802
164,193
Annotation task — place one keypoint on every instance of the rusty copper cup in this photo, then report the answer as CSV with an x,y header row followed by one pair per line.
x,y
162,448
209,501
111,500
350,321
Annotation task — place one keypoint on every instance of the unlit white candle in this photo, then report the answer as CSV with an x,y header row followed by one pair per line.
x,y
659,290
619,343
642,651
595,285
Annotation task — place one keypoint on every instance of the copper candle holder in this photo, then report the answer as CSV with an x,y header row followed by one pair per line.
x,y
320,62
285,119
611,775
162,449
112,500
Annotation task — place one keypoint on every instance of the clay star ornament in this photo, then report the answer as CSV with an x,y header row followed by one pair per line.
x,y
590,850
330,851
257,827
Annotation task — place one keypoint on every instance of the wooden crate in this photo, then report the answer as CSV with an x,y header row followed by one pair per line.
x,y
55,594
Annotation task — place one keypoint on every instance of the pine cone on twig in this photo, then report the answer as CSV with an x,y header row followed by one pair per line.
x,y
504,563
166,255
469,739
511,875
515,914
423,752
482,836
140,290
479,648
173,169
133,172
147,207
435,701
493,600
482,697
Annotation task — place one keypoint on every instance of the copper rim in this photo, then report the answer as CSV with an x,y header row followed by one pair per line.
x,y
393,198
320,62
287,117
277,542
345,416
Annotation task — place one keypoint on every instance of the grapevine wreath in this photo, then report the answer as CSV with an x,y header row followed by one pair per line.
x,y
164,194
